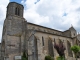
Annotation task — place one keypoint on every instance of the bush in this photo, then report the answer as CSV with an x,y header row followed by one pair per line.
x,y
60,58
24,57
48,58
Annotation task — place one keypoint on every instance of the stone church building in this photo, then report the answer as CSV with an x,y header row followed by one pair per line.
x,y
38,41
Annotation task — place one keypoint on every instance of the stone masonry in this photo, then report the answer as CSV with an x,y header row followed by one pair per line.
x,y
37,41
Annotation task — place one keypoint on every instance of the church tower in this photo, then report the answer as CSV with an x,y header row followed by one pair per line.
x,y
15,9
14,17
73,32
13,32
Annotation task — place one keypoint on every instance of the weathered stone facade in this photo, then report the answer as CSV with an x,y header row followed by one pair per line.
x,y
0,51
38,41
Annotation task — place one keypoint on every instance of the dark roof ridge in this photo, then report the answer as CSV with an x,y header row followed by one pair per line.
x,y
44,26
16,3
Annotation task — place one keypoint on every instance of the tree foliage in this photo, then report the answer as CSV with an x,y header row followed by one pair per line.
x,y
60,58
48,58
24,57
75,49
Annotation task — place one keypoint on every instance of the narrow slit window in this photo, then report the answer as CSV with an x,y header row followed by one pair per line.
x,y
16,11
54,39
42,41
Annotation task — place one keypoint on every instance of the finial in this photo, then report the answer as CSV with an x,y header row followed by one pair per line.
x,y
71,25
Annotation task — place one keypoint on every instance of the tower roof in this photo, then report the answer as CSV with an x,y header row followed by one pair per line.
x,y
10,3
72,28
15,9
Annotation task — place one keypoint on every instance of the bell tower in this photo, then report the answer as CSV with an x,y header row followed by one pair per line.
x,y
14,32
14,18
14,9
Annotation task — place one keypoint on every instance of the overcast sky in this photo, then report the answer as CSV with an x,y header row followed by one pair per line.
x,y
56,14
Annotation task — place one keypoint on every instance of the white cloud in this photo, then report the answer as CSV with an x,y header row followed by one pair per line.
x,y
35,17
3,5
58,14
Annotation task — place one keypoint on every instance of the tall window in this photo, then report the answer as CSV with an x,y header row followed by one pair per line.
x,y
69,50
36,48
17,11
50,48
42,41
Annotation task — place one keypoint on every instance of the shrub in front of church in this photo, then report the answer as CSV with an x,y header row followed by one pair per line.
x,y
24,57
60,58
48,58
75,49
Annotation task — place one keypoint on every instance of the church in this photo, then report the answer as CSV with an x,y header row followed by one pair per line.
x,y
38,41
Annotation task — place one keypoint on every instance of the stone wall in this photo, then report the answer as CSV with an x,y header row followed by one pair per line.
x,y
43,29
67,33
0,51
43,50
72,58
18,36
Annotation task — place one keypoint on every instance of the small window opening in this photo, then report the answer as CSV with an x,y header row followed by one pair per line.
x,y
17,11
42,41
54,39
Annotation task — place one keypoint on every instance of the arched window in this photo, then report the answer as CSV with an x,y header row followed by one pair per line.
x,y
36,49
17,11
69,50
50,48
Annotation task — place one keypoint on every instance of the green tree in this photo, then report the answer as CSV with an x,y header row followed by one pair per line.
x,y
48,58
75,49
60,58
24,57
